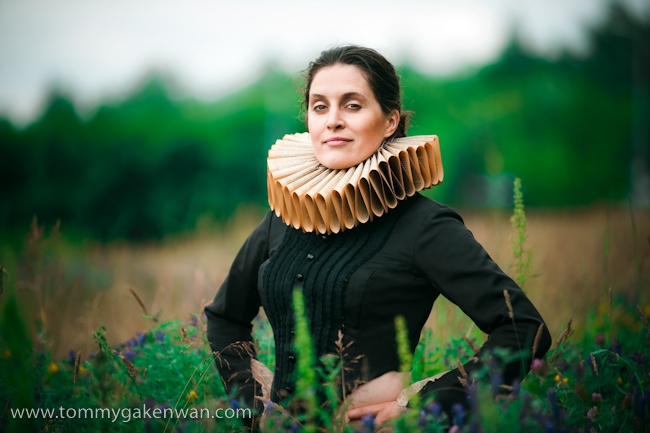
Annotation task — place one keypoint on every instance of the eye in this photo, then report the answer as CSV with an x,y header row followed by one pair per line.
x,y
353,106
319,107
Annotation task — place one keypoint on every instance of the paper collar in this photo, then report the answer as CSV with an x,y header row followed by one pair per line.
x,y
315,198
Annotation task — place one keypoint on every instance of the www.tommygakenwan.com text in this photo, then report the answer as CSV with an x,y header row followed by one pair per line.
x,y
127,414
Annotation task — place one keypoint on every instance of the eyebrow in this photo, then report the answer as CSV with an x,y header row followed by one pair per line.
x,y
349,95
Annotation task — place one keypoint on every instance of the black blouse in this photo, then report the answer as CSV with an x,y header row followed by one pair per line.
x,y
358,281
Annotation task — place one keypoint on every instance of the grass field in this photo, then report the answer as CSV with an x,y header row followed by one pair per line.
x,y
146,301
73,289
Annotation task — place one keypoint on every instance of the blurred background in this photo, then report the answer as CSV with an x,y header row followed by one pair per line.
x,y
133,138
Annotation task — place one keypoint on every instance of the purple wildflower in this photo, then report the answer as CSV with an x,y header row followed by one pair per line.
x,y
129,354
458,414
160,336
193,320
549,426
422,419
454,429
537,366
555,407
639,358
564,366
591,413
435,409
72,357
368,421
617,349
134,342
141,338
495,382
596,397
234,404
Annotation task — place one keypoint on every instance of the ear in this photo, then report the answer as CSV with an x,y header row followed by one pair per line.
x,y
392,122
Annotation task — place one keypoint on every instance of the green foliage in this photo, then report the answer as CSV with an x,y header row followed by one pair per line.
x,y
153,163
523,256
403,344
305,359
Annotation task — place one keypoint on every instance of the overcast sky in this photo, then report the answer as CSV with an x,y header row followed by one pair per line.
x,y
95,49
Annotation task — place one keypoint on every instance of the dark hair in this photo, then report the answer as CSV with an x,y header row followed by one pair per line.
x,y
380,75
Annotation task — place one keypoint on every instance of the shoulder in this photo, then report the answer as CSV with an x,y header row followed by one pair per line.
x,y
424,210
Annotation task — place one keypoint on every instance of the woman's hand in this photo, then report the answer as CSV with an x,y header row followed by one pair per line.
x,y
383,412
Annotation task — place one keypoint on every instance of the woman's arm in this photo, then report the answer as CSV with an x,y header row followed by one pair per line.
x,y
229,317
461,270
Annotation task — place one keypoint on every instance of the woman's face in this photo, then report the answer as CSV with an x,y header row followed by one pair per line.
x,y
345,120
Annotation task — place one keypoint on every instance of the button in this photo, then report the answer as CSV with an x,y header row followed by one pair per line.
x,y
310,257
292,358
325,238
299,277
293,332
288,389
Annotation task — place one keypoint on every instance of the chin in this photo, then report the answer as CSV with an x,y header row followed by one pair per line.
x,y
339,160
337,163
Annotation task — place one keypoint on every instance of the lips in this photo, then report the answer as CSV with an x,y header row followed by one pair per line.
x,y
337,141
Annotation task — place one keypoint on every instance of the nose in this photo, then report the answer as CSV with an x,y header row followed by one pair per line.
x,y
334,120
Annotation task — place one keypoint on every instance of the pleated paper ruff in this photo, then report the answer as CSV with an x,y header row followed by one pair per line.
x,y
315,198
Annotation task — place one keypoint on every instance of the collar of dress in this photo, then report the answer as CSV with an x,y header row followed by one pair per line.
x,y
318,199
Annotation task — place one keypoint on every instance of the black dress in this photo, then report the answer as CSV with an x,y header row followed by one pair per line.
x,y
358,281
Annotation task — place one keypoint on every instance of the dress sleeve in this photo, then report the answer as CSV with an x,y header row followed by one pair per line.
x,y
458,267
229,317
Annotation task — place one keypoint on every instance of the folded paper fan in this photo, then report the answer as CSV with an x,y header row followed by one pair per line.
x,y
315,198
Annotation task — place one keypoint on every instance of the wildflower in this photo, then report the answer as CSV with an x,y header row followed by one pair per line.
x,y
613,409
234,403
639,358
52,368
617,349
194,321
591,413
435,409
141,338
91,355
537,366
580,370
555,407
596,397
557,377
129,354
160,336
600,340
619,380
564,366
549,426
454,429
7,354
72,357
368,421
192,395
134,342
458,414
632,380
495,382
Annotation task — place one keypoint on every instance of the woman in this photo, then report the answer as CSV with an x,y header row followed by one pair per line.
x,y
371,264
